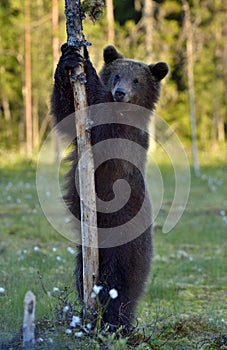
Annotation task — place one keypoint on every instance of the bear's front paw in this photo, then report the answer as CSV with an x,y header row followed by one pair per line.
x,y
70,57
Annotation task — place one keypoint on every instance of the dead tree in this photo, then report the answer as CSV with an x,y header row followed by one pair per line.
x,y
191,90
89,230
28,84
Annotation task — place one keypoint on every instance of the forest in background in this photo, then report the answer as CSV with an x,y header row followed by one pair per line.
x,y
189,35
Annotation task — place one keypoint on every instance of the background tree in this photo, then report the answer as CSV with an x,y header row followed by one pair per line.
x,y
28,82
190,73
110,21
164,31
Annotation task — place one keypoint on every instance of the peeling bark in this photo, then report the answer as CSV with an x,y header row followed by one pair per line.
x,y
89,231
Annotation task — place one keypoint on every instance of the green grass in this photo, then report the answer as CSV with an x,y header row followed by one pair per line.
x,y
185,303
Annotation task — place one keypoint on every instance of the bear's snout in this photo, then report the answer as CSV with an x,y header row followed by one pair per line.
x,y
119,95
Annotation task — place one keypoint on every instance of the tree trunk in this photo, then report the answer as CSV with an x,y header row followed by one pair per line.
x,y
28,85
221,129
55,39
7,114
110,21
148,27
89,230
189,53
36,121
218,114
55,51
6,108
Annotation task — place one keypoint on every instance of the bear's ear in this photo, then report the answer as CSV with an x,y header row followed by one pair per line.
x,y
159,70
110,54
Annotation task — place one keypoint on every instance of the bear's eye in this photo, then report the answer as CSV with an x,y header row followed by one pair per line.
x,y
136,81
116,78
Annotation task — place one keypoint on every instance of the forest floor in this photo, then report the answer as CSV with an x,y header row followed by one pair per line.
x,y
185,303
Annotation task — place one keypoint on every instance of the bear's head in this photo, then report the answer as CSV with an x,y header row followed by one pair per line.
x,y
132,81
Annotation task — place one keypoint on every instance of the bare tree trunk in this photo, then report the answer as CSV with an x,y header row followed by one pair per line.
x,y
221,129
55,50
218,129
36,121
148,26
189,52
89,230
224,68
7,114
6,108
110,21
218,114
28,85
55,40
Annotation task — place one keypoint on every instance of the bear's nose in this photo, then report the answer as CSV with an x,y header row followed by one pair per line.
x,y
119,95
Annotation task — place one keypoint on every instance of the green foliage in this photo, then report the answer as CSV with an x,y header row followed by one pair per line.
x,y
168,44
94,8
125,11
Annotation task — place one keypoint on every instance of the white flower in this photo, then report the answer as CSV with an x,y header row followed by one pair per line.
x,y
75,321
71,250
66,309
97,289
222,212
89,326
224,219
54,249
113,293
68,331
36,248
79,334
40,340
2,290
58,258
55,289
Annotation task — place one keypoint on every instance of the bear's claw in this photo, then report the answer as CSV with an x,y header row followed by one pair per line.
x,y
70,57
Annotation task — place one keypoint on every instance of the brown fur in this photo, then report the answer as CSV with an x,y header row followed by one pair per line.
x,y
124,267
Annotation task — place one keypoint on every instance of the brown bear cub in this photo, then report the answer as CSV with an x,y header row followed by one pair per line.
x,y
124,266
